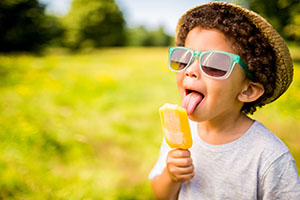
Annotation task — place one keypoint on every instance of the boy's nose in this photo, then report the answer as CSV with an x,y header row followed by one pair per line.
x,y
193,70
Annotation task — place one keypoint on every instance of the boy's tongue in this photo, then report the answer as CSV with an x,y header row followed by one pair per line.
x,y
190,102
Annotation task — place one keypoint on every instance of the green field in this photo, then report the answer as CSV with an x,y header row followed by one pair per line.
x,y
86,125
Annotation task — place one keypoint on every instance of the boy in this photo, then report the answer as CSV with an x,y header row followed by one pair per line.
x,y
229,61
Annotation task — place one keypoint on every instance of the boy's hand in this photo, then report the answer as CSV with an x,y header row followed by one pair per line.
x,y
180,165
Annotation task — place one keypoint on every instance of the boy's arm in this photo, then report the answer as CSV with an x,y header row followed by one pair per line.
x,y
179,169
164,187
281,180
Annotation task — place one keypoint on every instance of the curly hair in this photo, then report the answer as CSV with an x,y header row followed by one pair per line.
x,y
246,39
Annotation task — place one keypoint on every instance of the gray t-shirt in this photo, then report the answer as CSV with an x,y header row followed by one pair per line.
x,y
258,165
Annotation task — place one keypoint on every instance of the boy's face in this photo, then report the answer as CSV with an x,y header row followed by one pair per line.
x,y
203,97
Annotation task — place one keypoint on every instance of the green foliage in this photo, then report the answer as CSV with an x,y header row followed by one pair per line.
x,y
86,126
141,37
24,26
94,23
89,24
284,15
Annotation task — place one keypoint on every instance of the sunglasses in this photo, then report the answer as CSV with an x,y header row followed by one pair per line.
x,y
214,64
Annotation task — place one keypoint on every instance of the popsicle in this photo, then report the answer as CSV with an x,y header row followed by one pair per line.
x,y
174,121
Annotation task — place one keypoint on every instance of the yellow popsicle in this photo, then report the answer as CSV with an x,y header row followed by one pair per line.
x,y
174,121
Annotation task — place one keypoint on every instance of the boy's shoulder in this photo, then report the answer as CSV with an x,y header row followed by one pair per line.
x,y
265,143
263,136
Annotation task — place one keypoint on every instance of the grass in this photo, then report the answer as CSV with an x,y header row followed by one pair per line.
x,y
86,125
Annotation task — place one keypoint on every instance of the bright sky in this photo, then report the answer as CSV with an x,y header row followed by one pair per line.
x,y
153,13
150,13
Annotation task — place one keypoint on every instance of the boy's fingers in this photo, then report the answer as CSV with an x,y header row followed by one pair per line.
x,y
185,177
185,170
181,170
180,162
180,153
177,171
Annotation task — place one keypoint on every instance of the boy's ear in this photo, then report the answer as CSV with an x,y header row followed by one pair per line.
x,y
251,92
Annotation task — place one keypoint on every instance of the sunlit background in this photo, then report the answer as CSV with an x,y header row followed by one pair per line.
x,y
81,84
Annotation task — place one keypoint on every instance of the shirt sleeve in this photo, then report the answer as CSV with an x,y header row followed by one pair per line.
x,y
161,162
281,180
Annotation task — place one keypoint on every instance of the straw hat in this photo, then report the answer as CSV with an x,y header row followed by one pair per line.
x,y
284,63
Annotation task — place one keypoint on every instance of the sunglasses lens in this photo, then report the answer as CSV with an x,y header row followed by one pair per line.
x,y
179,59
215,64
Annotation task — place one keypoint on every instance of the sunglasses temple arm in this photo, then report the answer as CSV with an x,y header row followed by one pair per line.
x,y
245,68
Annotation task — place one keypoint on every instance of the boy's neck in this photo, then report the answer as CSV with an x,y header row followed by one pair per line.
x,y
220,131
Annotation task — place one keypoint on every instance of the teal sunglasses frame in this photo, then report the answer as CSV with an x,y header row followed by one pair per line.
x,y
233,59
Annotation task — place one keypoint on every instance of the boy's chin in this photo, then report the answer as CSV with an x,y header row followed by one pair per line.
x,y
195,117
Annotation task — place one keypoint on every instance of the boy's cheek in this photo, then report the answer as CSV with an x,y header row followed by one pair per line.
x,y
179,81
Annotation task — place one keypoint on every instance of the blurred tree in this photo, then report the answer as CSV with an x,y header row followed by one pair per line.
x,y
158,38
24,26
136,36
94,23
140,36
284,15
